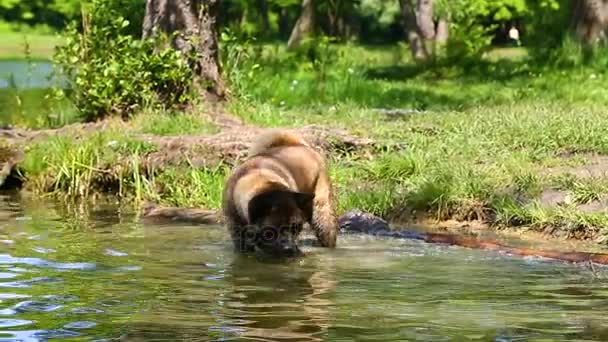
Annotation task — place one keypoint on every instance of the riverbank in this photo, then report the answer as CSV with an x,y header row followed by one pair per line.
x,y
513,166
504,143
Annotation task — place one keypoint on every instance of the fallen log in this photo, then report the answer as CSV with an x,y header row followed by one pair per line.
x,y
358,222
153,213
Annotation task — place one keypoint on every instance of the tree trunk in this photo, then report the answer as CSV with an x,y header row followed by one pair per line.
x,y
304,26
443,31
419,26
590,20
195,22
424,19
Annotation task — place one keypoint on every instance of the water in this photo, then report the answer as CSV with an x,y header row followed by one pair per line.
x,y
25,75
104,277
24,88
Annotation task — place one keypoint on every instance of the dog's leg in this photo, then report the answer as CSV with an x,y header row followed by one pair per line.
x,y
324,222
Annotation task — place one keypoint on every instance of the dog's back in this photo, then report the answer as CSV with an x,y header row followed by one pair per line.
x,y
275,138
294,154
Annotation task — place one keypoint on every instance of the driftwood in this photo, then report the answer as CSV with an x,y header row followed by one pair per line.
x,y
154,213
357,222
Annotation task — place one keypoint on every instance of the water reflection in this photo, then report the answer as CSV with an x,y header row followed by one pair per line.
x,y
290,301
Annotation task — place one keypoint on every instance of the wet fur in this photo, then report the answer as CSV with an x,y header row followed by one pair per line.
x,y
282,173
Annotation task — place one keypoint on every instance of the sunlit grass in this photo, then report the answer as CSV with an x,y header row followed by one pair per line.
x,y
473,141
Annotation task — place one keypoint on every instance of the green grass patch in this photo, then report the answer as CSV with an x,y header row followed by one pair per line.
x,y
189,187
13,45
174,124
110,162
33,108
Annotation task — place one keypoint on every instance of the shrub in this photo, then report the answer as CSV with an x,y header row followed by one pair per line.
x,y
110,72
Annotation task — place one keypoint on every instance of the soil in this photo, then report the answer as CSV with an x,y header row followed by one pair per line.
x,y
596,167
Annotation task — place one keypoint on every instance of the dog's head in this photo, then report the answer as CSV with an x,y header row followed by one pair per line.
x,y
277,218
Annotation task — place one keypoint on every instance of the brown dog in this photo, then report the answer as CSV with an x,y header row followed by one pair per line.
x,y
283,184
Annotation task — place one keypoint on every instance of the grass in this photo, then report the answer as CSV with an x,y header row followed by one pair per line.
x,y
111,162
42,46
31,108
167,124
475,146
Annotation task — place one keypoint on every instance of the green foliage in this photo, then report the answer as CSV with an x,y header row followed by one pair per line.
x,y
385,12
472,23
554,45
48,13
547,23
238,59
112,72
189,187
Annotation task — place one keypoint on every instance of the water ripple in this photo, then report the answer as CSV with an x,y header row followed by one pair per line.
x,y
9,323
37,335
8,275
80,325
43,250
8,259
60,298
30,282
115,253
12,296
36,306
85,310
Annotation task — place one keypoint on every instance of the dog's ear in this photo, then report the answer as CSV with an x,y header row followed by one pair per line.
x,y
262,204
303,200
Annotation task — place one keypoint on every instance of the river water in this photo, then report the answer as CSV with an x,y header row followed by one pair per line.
x,y
106,276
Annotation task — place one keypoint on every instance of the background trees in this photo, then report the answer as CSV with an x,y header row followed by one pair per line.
x,y
453,32
469,24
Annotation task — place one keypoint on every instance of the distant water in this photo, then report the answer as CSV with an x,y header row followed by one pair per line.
x,y
24,75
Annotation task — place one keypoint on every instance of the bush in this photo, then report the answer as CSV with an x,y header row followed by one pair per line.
x,y
110,72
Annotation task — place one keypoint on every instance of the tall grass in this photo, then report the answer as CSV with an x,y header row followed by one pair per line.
x,y
112,163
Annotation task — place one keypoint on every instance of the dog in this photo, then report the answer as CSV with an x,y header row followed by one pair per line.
x,y
282,185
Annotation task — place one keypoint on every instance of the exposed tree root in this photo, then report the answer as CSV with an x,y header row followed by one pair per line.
x,y
227,146
232,144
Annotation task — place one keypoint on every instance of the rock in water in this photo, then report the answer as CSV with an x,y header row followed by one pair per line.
x,y
357,221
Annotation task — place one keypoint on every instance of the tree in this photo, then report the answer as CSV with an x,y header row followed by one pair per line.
x,y
304,26
194,23
590,20
419,26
